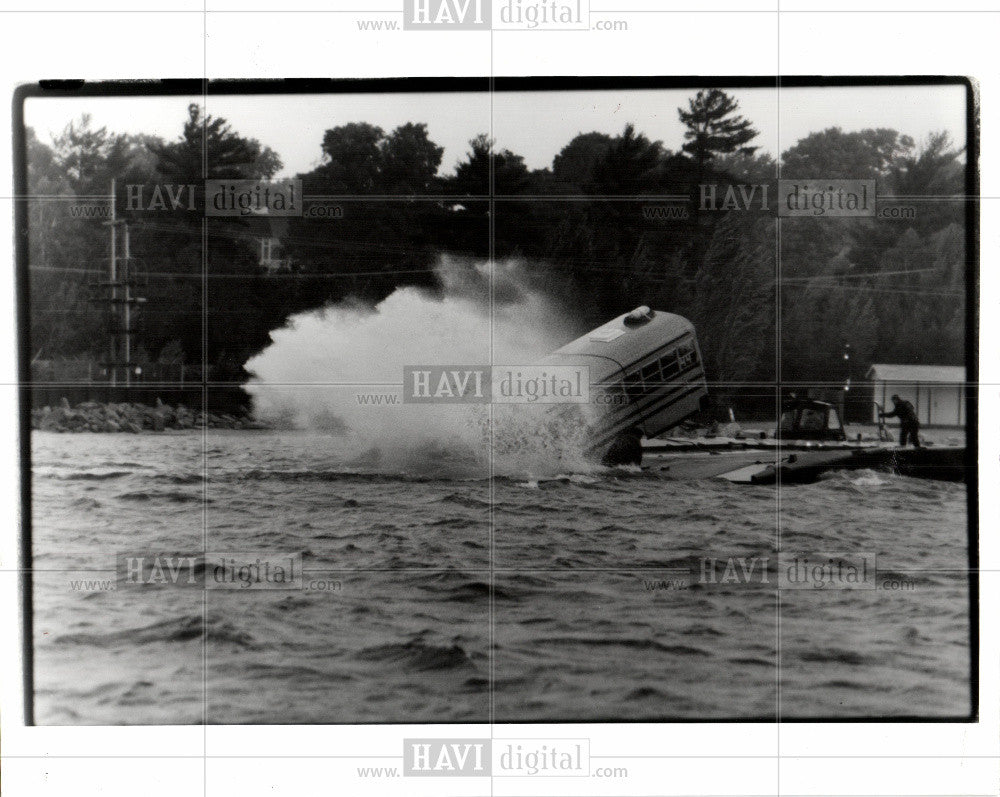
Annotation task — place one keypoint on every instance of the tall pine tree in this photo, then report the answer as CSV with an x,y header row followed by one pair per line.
x,y
714,127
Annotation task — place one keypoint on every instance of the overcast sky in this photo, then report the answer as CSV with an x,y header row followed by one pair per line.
x,y
535,125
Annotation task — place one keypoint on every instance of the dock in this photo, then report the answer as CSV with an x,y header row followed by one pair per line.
x,y
770,461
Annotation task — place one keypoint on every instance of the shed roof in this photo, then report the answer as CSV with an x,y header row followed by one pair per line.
x,y
882,372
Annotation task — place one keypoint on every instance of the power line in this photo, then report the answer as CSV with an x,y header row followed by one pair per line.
x,y
280,275
872,289
864,274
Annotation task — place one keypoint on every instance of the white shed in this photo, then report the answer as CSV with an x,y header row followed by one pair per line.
x,y
937,392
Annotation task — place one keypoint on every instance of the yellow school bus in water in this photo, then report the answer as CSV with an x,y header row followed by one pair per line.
x,y
645,371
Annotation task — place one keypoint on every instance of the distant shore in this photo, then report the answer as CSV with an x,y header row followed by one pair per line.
x,y
137,418
128,417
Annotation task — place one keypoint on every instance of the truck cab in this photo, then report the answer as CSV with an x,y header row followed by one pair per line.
x,y
808,419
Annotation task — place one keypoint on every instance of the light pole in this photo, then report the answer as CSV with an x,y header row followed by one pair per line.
x,y
847,382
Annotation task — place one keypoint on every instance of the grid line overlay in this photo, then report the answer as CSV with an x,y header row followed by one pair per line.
x,y
492,570
204,401
777,411
491,639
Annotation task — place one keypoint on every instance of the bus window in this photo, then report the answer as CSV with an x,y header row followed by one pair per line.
x,y
651,374
787,421
670,366
685,355
633,385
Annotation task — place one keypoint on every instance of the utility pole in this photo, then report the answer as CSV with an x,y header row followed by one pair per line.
x,y
119,297
127,308
112,279
847,382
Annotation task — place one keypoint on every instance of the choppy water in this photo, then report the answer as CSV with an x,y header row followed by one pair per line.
x,y
580,626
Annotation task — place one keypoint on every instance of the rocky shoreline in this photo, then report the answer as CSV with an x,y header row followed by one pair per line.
x,y
95,416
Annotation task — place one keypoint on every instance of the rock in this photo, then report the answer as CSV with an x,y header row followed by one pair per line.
x,y
731,429
93,416
50,422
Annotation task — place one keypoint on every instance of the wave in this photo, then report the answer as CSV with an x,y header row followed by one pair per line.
x,y
169,496
455,523
301,672
864,477
645,693
179,478
753,661
836,656
478,590
180,629
319,475
418,655
425,472
631,644
89,475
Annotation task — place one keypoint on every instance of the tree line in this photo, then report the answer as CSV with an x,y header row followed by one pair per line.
x,y
594,227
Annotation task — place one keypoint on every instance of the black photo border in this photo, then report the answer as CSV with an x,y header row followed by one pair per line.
x,y
298,86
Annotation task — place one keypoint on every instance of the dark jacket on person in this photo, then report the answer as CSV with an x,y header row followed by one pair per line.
x,y
904,411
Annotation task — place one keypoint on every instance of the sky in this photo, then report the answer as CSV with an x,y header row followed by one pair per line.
x,y
535,125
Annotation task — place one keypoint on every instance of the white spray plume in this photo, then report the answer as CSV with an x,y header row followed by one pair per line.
x,y
322,363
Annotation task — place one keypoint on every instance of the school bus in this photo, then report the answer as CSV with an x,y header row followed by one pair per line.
x,y
645,370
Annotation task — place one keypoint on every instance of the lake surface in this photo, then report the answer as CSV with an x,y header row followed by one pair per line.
x,y
437,594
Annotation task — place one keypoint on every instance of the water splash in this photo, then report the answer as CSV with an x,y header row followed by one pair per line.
x,y
324,367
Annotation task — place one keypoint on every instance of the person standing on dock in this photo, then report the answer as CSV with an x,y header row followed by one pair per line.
x,y
909,426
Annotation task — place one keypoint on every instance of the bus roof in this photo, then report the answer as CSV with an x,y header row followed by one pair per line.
x,y
616,345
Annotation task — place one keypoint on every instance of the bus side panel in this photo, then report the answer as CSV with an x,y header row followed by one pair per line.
x,y
663,401
668,410
677,412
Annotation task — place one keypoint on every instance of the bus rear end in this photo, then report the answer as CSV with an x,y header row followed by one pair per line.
x,y
646,371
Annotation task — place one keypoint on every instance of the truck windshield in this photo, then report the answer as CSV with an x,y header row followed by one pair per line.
x,y
813,418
